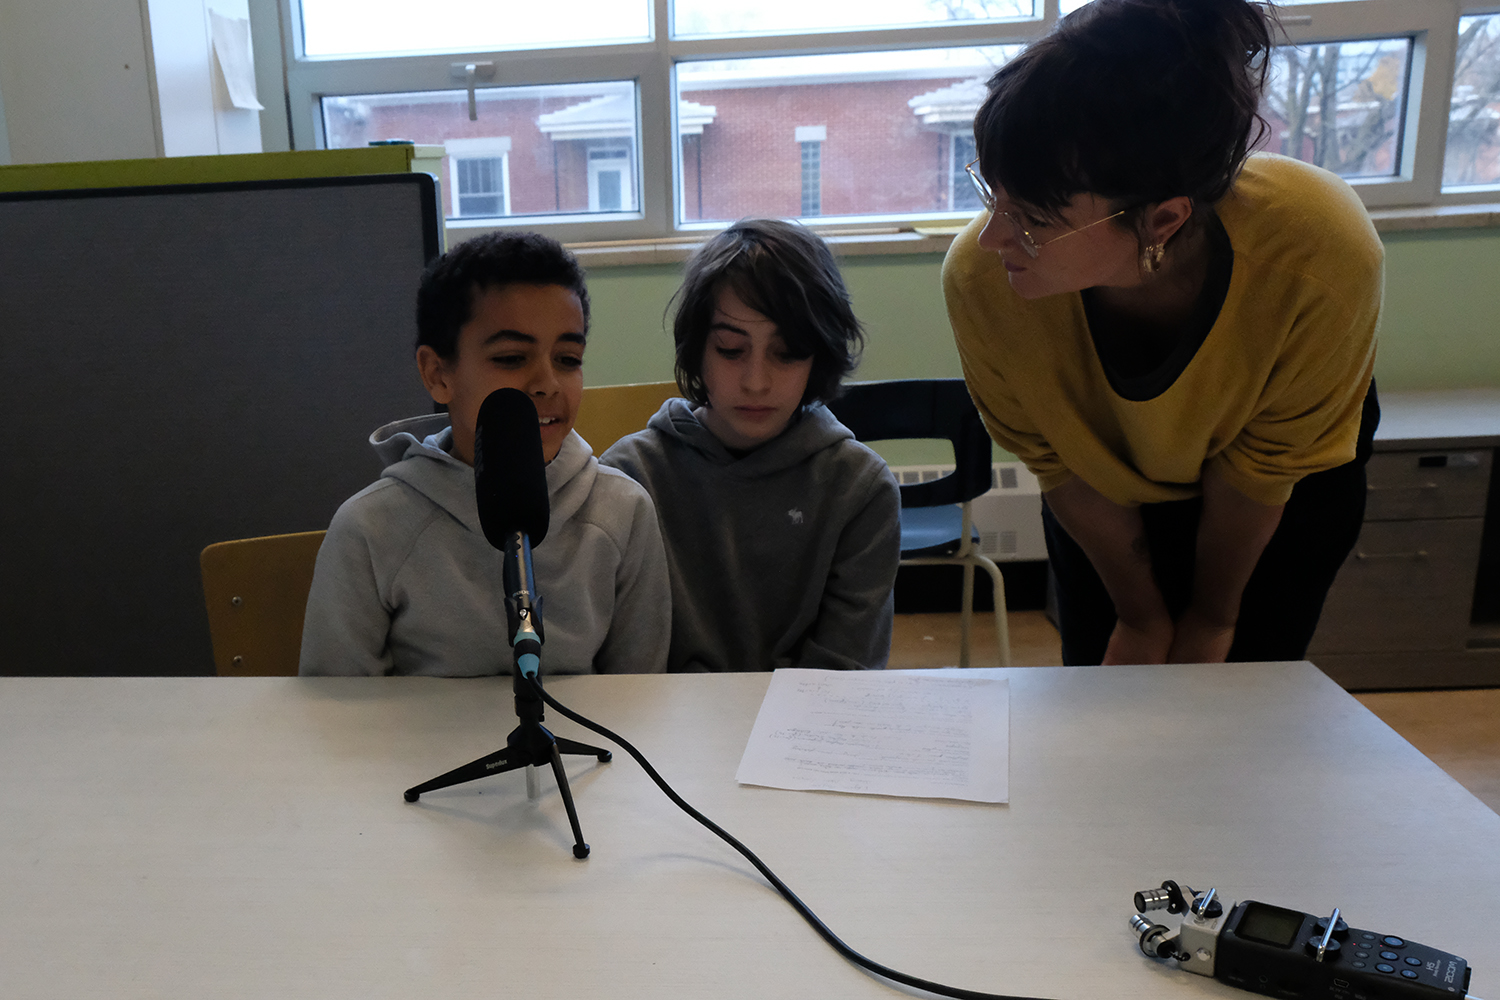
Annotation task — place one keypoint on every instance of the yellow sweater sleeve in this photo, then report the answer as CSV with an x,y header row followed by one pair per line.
x,y
1307,416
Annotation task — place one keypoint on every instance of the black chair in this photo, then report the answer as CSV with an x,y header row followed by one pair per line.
x,y
937,527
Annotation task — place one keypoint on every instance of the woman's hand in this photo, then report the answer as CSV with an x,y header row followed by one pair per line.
x,y
1199,640
1114,539
1150,642
1232,533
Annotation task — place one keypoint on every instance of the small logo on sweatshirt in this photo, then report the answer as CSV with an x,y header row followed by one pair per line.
x,y
794,515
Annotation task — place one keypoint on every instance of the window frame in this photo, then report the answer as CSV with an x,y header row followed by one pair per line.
x,y
1432,25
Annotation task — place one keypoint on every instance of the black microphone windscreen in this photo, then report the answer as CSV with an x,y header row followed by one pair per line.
x,y
510,475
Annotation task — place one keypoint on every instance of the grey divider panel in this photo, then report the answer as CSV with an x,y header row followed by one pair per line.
x,y
180,366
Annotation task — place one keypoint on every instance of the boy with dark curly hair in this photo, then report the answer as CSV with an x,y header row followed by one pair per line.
x,y
405,581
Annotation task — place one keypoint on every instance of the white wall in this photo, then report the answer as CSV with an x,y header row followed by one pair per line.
x,y
270,74
4,132
197,116
75,80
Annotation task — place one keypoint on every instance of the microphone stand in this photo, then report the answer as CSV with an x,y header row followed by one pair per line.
x,y
529,744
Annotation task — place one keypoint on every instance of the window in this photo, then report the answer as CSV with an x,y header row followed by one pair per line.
x,y
1473,156
634,119
883,149
1339,105
344,28
479,176
810,139
961,194
567,150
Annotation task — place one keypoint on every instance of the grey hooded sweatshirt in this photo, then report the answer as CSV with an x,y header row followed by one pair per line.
x,y
407,584
783,556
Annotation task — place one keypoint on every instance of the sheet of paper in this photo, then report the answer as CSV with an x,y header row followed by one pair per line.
x,y
883,732
231,41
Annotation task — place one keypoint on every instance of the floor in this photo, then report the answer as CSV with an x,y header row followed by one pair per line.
x,y
1458,730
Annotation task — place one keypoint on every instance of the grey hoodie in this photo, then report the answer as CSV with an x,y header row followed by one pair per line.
x,y
784,556
407,584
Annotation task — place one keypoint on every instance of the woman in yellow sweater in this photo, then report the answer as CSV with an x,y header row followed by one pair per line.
x,y
1177,339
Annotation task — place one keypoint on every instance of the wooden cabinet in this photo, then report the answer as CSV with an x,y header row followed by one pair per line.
x,y
1402,613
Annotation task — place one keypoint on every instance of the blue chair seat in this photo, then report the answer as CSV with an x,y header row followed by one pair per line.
x,y
932,511
933,531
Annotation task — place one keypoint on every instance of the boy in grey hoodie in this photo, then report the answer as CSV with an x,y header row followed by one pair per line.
x,y
405,581
783,533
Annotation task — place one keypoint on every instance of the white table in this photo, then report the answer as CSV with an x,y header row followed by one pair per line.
x,y
247,838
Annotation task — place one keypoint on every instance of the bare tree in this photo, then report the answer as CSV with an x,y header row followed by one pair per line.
x,y
1474,112
980,10
1339,104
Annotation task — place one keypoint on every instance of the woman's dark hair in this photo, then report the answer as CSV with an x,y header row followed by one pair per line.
x,y
445,299
1137,101
787,274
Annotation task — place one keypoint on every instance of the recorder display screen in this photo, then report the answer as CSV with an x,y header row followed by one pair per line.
x,y
1269,925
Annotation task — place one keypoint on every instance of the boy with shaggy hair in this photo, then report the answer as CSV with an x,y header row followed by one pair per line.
x,y
783,533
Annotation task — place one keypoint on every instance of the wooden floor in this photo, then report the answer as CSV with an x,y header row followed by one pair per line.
x,y
1457,730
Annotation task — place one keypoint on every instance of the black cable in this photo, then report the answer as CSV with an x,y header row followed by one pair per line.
x,y
833,939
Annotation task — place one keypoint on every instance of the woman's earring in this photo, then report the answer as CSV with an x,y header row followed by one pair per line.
x,y
1151,257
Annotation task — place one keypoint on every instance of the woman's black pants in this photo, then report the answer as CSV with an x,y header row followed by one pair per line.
x,y
1284,597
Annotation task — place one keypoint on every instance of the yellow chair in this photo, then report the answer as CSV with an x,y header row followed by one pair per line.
x,y
256,592
610,412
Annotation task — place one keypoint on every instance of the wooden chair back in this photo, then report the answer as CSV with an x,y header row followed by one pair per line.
x,y
256,593
610,412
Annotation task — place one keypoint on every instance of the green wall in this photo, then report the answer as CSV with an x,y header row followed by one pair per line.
x,y
1441,326
898,299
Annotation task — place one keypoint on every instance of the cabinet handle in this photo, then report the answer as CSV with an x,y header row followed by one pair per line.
x,y
1377,489
1419,554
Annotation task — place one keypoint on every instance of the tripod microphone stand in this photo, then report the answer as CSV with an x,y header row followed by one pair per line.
x,y
529,744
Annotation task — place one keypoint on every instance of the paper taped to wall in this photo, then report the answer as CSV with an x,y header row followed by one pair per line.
x,y
231,41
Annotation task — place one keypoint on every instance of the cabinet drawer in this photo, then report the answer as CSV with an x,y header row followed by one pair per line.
x,y
1408,585
1420,484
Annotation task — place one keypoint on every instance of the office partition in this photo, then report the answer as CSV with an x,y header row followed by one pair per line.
x,y
182,365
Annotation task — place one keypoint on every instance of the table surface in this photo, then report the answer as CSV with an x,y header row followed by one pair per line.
x,y
246,837
1439,418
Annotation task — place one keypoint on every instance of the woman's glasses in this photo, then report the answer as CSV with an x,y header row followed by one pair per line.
x,y
1022,234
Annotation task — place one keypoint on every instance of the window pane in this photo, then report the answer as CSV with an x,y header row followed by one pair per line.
x,y
1339,105
544,150
480,183
1474,117
812,179
1068,6
879,133
749,17
388,27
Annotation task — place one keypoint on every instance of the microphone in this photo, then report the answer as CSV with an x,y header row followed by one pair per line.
x,y
510,476
510,488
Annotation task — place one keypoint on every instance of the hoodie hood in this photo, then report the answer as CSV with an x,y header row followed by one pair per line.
x,y
416,452
812,430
